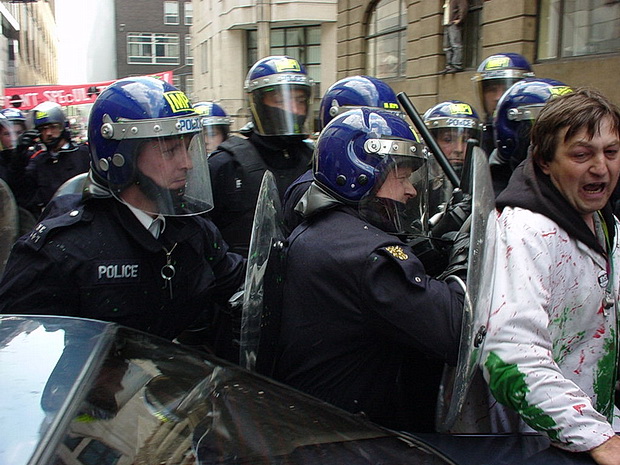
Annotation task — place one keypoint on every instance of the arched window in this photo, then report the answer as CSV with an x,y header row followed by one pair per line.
x,y
386,39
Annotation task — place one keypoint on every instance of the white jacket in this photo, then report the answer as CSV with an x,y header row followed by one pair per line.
x,y
551,351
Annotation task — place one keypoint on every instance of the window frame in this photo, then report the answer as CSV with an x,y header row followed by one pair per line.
x,y
188,19
555,41
155,43
169,18
371,40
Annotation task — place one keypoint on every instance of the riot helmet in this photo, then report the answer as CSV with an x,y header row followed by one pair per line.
x,y
516,112
356,91
215,122
50,120
452,123
496,74
147,148
279,92
372,159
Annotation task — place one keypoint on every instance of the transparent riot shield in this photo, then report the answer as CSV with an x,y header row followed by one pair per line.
x,y
267,228
9,223
74,185
457,380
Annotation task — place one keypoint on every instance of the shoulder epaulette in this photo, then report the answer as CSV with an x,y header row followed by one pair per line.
x,y
38,236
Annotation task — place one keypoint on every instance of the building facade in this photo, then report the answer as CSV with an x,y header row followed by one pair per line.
x,y
29,43
400,41
231,35
154,36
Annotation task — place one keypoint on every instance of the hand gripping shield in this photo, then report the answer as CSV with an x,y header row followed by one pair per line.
x,y
266,240
457,380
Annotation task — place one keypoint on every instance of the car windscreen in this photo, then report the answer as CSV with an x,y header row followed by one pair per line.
x,y
158,402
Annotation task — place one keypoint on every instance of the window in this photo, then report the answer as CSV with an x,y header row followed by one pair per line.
x,y
301,43
386,39
189,57
472,45
152,48
189,13
171,13
189,86
576,28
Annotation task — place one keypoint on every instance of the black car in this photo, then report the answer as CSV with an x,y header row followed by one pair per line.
x,y
77,391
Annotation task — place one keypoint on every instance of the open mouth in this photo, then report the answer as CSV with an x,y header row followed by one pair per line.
x,y
594,187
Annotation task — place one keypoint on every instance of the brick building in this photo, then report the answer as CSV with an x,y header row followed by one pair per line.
x,y
154,36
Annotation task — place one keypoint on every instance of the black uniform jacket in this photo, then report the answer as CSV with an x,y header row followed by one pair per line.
x,y
363,327
94,259
45,173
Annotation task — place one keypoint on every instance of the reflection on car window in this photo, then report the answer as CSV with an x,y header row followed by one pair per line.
x,y
157,402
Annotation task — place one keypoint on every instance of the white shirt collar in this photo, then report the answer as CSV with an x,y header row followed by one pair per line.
x,y
155,225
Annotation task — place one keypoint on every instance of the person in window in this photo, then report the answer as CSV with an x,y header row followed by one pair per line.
x,y
454,14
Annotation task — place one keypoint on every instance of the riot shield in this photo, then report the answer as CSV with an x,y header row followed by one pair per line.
x,y
457,380
267,228
9,223
74,185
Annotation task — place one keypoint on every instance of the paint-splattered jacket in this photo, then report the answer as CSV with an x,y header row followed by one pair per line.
x,y
551,351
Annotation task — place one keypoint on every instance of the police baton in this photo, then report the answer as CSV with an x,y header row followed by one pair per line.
x,y
428,138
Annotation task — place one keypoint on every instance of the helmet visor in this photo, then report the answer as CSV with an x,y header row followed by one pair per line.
x,y
491,90
9,133
171,175
398,202
281,110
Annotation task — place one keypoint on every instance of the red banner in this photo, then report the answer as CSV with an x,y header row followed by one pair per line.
x,y
26,98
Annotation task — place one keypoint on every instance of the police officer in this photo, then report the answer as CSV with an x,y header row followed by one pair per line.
x,y
132,248
279,91
494,76
451,123
516,112
216,124
362,326
346,94
46,158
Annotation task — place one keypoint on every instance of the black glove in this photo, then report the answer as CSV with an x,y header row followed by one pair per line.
x,y
459,253
457,211
432,252
25,141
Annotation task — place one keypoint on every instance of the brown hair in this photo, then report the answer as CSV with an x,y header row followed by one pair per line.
x,y
582,109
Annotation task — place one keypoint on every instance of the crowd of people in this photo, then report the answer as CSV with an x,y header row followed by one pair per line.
x,y
158,234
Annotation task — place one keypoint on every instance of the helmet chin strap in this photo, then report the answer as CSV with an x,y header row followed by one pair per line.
x,y
167,201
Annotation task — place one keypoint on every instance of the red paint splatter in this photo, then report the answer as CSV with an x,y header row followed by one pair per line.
x,y
599,332
579,408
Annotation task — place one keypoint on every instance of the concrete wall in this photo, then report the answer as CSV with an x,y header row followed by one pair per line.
x,y
219,39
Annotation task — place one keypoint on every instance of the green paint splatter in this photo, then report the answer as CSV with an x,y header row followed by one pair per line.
x,y
604,378
508,386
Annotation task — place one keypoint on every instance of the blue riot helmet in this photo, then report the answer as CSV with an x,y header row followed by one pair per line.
x,y
451,123
356,91
147,148
279,91
215,122
372,159
50,119
516,112
496,74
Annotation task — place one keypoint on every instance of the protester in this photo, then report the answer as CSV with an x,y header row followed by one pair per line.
x,y
551,351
